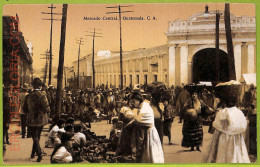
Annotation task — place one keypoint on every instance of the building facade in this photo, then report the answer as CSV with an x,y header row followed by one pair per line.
x,y
191,46
141,66
189,55
17,61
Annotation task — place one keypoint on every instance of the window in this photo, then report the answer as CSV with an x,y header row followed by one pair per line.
x,y
155,78
131,80
145,79
137,79
165,79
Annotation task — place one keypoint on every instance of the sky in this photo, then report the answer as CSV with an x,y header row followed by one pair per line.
x,y
135,33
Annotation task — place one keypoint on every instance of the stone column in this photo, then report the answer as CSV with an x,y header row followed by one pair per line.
x,y
237,53
127,73
171,65
108,75
184,64
141,76
149,73
160,69
134,73
251,59
117,72
189,72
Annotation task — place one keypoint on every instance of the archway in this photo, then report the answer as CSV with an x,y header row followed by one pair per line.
x,y
204,66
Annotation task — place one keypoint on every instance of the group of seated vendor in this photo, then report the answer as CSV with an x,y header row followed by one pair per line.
x,y
67,139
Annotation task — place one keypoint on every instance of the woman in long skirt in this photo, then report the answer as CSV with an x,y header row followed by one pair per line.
x,y
192,127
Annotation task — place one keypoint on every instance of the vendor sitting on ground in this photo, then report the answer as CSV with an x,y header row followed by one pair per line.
x,y
63,153
54,132
69,128
79,138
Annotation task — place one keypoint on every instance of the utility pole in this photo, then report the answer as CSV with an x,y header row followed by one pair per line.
x,y
93,53
217,45
79,41
231,61
61,58
121,54
51,19
46,57
65,76
74,79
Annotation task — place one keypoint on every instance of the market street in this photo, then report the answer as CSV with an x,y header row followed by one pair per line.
x,y
173,153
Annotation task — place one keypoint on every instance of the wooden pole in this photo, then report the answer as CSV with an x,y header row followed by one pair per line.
x,y
217,46
78,79
61,59
231,61
65,77
121,54
93,60
50,65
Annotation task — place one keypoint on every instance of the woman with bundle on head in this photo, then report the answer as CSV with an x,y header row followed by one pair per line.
x,y
227,144
192,127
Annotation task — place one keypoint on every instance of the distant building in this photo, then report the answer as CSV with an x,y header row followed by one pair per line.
x,y
17,61
139,67
85,72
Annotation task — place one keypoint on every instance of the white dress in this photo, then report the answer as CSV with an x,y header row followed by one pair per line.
x,y
227,144
153,152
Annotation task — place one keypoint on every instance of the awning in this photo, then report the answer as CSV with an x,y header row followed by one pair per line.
x,y
249,79
205,83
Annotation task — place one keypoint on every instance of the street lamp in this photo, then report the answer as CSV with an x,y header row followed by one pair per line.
x,y
206,13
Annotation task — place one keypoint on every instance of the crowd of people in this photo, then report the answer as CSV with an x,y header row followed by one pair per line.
x,y
140,116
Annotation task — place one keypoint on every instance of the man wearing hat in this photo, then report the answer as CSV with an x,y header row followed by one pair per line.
x,y
68,103
22,96
37,108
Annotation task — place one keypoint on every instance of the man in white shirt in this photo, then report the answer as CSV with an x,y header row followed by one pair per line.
x,y
54,131
79,138
63,152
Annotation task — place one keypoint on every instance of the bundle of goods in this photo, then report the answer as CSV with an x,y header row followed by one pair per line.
x,y
229,92
98,149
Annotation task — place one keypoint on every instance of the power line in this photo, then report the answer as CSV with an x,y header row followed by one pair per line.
x,y
46,57
93,34
51,19
121,56
79,41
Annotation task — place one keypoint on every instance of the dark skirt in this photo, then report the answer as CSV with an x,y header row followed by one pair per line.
x,y
167,125
192,133
158,123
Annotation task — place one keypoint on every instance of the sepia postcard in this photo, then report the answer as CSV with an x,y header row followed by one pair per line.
x,y
120,82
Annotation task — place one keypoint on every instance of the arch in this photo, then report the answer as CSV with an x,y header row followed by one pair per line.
x,y
201,47
204,65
